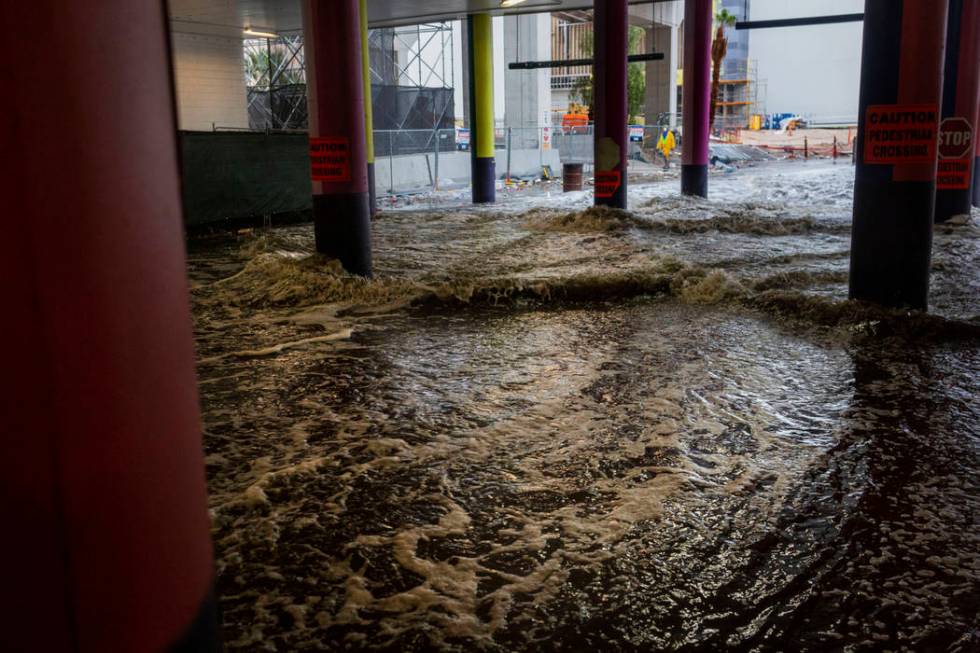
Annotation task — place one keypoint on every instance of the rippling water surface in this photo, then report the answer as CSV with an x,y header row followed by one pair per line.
x,y
549,427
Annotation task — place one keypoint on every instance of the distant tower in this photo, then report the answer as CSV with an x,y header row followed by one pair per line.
x,y
737,75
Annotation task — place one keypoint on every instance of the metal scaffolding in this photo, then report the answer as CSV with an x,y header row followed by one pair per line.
x,y
411,81
275,82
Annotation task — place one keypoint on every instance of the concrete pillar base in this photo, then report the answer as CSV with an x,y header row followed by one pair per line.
x,y
694,180
484,171
342,229
892,243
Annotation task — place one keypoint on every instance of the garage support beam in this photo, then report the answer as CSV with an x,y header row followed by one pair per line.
x,y
368,107
961,96
338,145
105,525
896,151
799,22
976,163
479,28
611,139
697,97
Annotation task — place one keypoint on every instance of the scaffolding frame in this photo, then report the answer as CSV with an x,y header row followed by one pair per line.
x,y
412,77
276,91
402,90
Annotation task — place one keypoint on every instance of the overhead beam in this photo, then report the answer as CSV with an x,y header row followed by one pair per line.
x,y
459,9
563,63
799,22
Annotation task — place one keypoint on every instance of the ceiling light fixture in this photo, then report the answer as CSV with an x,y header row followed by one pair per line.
x,y
510,3
261,33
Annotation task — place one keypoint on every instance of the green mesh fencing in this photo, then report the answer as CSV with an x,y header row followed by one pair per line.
x,y
234,176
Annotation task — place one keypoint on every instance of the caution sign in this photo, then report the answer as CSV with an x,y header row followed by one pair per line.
x,y
955,154
607,183
896,134
330,159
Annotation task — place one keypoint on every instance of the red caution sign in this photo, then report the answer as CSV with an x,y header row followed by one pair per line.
x,y
607,183
955,153
330,159
896,134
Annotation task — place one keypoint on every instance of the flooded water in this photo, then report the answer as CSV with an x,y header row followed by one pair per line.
x,y
544,427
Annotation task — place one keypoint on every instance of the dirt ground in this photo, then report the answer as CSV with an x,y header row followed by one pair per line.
x,y
816,139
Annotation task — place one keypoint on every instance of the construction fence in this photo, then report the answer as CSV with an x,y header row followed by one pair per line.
x,y
415,161
235,176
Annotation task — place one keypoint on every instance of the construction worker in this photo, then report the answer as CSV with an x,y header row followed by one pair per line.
x,y
666,145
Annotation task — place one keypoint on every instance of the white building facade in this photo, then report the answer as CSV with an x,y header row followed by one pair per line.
x,y
813,71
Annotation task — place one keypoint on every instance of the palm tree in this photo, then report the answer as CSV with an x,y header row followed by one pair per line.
x,y
267,62
636,80
719,48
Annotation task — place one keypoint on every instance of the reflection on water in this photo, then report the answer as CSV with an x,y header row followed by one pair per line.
x,y
544,428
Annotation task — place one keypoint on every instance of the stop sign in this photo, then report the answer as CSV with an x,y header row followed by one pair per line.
x,y
955,138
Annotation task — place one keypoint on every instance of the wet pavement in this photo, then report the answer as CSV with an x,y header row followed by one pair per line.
x,y
545,427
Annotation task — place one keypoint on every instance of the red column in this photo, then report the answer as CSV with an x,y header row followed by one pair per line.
x,y
961,95
338,148
105,527
895,152
976,165
697,97
610,96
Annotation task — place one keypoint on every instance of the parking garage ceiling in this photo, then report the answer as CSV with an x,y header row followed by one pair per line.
x,y
232,16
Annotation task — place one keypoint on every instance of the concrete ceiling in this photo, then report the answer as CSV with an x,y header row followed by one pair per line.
x,y
228,17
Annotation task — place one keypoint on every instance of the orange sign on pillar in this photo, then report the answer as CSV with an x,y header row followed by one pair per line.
x,y
955,153
330,159
897,134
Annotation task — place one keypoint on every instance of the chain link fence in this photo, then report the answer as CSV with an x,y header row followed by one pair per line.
x,y
577,145
420,160
416,161
407,162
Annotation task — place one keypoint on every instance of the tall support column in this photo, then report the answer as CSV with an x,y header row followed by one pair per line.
x,y
611,139
368,107
961,95
672,76
976,164
697,96
895,155
527,93
105,525
338,147
661,87
479,32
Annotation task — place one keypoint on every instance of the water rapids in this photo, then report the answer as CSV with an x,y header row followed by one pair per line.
x,y
548,427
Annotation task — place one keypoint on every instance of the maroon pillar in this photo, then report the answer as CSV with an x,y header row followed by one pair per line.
x,y
338,148
895,151
105,526
961,95
976,165
611,138
697,96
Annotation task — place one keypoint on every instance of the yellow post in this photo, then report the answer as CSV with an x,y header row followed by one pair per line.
x,y
368,110
480,28
483,80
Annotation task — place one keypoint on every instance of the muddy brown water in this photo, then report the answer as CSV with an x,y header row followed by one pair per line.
x,y
548,428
